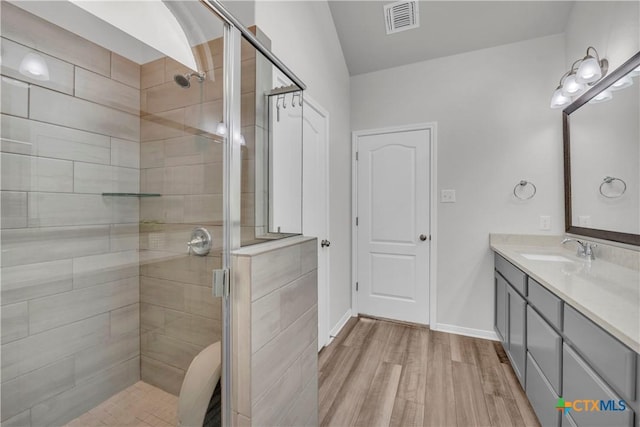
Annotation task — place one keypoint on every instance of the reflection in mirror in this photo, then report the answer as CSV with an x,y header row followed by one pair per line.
x,y
604,158
271,201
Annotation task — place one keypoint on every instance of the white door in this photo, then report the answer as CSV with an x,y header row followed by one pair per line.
x,y
315,202
393,235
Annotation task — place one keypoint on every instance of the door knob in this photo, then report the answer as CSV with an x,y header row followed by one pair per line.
x,y
325,243
423,237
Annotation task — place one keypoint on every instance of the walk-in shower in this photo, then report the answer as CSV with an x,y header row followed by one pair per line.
x,y
111,173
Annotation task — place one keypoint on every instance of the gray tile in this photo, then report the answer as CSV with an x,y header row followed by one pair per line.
x,y
168,350
308,256
124,210
36,351
197,330
15,97
15,322
161,375
58,209
35,245
185,269
23,419
26,173
125,153
202,119
265,319
60,72
192,150
203,208
29,389
97,179
124,237
125,320
103,268
303,410
118,349
199,300
183,180
80,114
56,310
168,124
125,70
272,270
13,209
271,361
298,297
152,73
107,92
84,396
20,26
164,293
152,316
22,136
152,154
286,389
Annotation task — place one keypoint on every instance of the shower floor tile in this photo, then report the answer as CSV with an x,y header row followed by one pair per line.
x,y
140,405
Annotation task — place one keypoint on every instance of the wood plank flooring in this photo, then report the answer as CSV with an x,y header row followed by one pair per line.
x,y
380,373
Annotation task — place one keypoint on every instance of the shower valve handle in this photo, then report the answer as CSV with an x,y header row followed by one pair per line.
x,y
200,243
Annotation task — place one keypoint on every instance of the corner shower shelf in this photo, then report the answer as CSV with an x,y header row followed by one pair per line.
x,y
131,194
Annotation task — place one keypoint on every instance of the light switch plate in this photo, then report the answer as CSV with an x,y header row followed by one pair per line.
x,y
545,222
447,196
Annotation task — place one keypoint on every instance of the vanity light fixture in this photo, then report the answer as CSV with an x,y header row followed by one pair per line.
x,y
592,68
34,66
624,82
603,96
584,72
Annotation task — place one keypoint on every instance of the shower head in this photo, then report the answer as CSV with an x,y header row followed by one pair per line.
x,y
183,80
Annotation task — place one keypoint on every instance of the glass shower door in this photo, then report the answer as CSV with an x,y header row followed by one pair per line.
x,y
112,156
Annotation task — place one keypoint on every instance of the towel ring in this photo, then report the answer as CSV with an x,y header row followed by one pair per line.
x,y
609,180
523,184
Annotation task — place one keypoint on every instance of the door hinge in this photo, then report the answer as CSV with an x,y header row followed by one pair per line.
x,y
356,286
356,221
221,283
356,156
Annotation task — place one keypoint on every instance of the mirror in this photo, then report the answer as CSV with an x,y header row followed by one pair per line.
x,y
602,158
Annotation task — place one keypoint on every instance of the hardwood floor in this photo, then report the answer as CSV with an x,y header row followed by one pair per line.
x,y
380,373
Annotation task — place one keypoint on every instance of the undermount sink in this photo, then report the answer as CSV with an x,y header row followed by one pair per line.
x,y
546,257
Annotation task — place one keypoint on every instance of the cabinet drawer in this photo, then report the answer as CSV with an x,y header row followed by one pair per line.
x,y
513,275
549,305
615,362
541,395
581,383
545,345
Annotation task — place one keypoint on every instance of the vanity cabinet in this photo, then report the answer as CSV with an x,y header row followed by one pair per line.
x,y
510,314
556,352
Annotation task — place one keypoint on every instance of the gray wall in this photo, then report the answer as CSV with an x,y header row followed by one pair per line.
x,y
70,288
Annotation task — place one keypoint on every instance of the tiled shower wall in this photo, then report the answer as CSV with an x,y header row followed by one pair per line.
x,y
70,287
181,159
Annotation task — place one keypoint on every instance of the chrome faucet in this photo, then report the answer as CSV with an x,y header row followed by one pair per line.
x,y
585,249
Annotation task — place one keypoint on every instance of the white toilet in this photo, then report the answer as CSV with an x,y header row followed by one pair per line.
x,y
198,385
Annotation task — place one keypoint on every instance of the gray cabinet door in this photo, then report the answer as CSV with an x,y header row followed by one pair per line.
x,y
516,332
500,314
541,395
545,345
580,382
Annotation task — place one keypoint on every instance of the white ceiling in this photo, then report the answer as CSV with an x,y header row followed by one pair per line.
x,y
446,28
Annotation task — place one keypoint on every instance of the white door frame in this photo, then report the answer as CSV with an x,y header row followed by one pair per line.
x,y
433,175
312,103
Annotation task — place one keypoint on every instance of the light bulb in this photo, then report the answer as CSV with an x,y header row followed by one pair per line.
x,y
603,96
570,87
624,82
558,100
34,66
589,70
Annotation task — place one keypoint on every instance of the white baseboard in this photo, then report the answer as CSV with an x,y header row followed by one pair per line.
x,y
469,332
338,327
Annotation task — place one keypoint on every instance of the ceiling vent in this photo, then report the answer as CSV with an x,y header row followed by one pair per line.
x,y
401,16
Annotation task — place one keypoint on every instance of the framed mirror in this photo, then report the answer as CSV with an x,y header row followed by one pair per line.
x,y
602,158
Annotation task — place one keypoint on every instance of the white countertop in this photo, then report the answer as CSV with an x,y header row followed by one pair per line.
x,y
606,293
